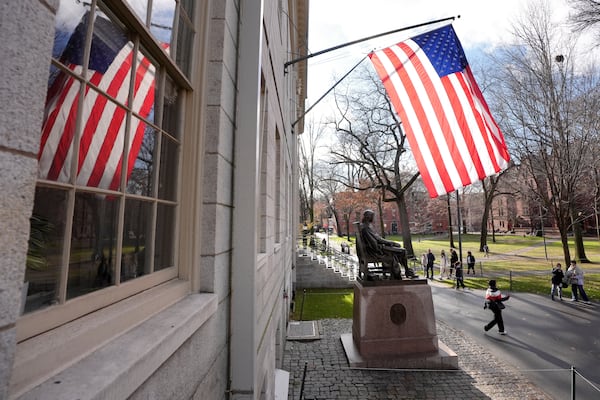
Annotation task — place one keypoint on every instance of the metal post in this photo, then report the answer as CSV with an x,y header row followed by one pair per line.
x,y
318,53
303,379
459,224
573,382
328,224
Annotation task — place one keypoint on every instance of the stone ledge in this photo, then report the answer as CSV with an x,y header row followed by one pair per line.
x,y
118,368
443,359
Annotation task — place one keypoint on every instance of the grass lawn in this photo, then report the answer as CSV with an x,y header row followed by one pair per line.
x,y
518,263
315,304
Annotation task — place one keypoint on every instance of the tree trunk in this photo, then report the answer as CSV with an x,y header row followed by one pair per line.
x,y
565,245
404,223
381,223
578,238
348,227
484,221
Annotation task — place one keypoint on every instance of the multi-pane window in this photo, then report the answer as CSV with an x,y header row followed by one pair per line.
x,y
106,200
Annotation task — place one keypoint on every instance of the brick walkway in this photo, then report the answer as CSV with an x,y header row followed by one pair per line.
x,y
480,374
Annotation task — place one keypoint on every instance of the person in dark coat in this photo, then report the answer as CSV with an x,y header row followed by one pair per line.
x,y
470,263
495,302
453,260
557,279
430,260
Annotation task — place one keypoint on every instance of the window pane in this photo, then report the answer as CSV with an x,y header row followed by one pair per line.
x,y
62,98
141,159
101,144
111,55
185,41
144,89
165,232
93,244
171,108
140,7
44,256
163,17
138,221
167,185
69,37
58,129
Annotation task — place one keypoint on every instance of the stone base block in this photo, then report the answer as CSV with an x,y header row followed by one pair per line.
x,y
394,327
443,358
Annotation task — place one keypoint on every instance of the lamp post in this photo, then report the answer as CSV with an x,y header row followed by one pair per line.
x,y
328,227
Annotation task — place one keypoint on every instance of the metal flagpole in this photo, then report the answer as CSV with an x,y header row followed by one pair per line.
x,y
327,92
318,53
459,223
287,64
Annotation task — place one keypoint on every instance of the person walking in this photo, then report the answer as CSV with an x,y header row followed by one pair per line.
x,y
495,302
470,263
424,262
575,274
453,260
486,250
458,272
430,261
557,279
443,265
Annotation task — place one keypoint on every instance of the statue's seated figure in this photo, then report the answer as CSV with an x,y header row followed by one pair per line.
x,y
378,249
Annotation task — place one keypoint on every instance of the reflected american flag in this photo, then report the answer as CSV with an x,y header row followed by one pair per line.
x,y
102,137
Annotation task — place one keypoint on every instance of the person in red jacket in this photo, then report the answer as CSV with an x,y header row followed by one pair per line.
x,y
495,302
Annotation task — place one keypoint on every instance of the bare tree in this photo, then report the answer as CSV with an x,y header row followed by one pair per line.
x,y
372,144
585,15
491,191
309,145
540,97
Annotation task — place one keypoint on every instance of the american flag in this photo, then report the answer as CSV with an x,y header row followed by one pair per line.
x,y
451,132
102,135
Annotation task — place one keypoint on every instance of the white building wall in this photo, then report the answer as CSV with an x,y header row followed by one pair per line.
x,y
224,339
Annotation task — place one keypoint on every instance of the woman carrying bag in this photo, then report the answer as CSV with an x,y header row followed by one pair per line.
x,y
495,302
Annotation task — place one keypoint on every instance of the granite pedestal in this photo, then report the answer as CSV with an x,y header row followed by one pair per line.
x,y
394,327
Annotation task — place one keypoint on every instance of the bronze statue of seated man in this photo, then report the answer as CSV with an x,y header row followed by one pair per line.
x,y
388,252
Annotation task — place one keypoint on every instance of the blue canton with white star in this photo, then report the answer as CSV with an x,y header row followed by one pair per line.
x,y
443,49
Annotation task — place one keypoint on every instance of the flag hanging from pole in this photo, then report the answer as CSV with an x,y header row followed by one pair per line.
x,y
102,133
451,132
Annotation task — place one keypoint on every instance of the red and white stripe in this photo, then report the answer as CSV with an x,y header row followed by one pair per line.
x,y
102,137
452,135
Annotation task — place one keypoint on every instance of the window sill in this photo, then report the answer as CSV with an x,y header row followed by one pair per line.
x,y
113,366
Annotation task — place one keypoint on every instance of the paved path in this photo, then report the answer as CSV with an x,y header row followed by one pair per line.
x,y
532,362
545,338
481,375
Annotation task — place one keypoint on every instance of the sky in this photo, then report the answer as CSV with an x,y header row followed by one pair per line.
x,y
482,25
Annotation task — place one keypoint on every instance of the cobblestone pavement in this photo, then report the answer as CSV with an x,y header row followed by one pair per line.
x,y
328,376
